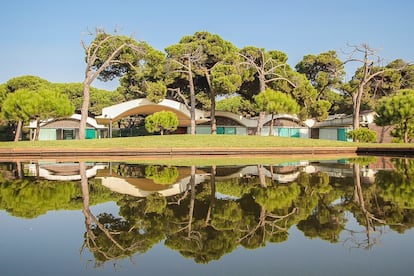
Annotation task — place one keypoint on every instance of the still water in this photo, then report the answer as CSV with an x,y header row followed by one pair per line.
x,y
337,217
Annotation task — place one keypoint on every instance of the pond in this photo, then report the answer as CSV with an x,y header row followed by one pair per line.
x,y
329,217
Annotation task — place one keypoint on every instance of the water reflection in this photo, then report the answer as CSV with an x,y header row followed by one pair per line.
x,y
207,212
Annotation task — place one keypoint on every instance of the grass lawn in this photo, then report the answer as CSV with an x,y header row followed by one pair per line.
x,y
190,141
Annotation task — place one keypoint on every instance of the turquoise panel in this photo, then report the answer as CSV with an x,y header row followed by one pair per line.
x,y
294,132
220,130
342,134
283,131
90,134
230,130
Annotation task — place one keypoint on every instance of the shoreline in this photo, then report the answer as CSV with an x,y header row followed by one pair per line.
x,y
37,153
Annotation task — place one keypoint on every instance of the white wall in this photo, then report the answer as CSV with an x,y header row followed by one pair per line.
x,y
328,133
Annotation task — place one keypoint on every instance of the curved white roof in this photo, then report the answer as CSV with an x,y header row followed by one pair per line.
x,y
144,106
90,121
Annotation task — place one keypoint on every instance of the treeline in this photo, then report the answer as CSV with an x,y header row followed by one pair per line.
x,y
204,67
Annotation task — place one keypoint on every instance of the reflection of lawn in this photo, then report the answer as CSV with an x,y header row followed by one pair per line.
x,y
186,141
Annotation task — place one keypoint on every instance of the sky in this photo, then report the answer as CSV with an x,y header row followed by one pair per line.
x,y
42,37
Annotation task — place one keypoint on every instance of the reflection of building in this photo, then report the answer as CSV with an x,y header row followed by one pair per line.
x,y
142,187
62,171
133,181
282,173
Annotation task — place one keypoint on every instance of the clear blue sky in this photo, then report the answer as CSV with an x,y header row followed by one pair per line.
x,y
42,37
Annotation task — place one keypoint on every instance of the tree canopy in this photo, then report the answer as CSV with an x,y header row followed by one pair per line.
x,y
398,110
161,121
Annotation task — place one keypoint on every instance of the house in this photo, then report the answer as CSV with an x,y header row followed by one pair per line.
x,y
336,127
115,113
68,128
283,125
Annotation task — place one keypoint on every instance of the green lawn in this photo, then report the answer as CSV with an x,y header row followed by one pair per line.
x,y
190,141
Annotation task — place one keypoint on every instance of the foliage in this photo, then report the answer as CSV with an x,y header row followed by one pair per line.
x,y
266,68
26,82
31,83
161,174
98,98
398,110
225,79
226,215
155,203
363,160
30,198
236,104
276,102
399,75
234,187
397,185
320,109
19,105
25,104
214,70
279,197
303,92
161,121
109,56
325,71
53,104
324,224
363,135
145,75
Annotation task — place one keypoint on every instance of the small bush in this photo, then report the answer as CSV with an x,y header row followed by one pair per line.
x,y
363,135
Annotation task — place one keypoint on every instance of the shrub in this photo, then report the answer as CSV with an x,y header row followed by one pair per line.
x,y
364,135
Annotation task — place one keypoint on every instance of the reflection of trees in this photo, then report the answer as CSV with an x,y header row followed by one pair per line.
x,y
112,238
379,205
161,174
260,214
363,203
129,170
30,197
326,220
396,187
212,218
250,212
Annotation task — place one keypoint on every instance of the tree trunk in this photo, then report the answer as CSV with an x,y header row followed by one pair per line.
x,y
18,131
84,185
213,114
260,123
192,99
213,105
262,82
356,98
19,170
85,107
271,125
192,201
212,193
262,176
405,132
37,133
